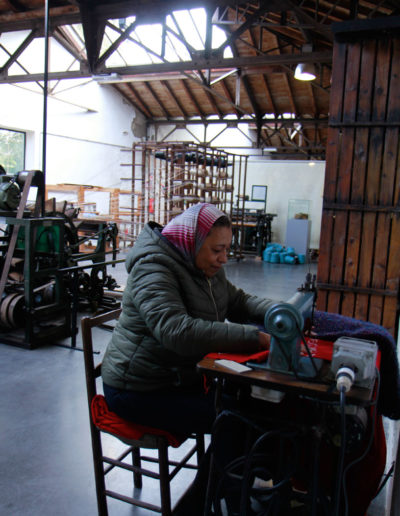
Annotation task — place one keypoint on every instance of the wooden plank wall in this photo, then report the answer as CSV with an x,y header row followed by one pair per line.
x,y
359,263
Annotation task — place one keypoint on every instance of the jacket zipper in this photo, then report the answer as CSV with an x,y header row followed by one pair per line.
x,y
212,297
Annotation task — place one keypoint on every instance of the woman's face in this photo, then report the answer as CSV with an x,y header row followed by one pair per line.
x,y
214,251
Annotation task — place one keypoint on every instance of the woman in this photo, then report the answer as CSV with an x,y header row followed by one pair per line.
x,y
175,310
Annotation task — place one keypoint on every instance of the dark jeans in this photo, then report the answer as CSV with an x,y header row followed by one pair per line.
x,y
177,410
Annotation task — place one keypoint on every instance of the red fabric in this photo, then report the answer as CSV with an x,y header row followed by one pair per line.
x,y
318,348
324,348
108,421
240,357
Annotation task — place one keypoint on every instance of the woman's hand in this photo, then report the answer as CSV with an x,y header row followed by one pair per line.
x,y
263,340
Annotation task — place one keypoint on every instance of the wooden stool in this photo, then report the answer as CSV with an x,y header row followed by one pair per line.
x,y
135,437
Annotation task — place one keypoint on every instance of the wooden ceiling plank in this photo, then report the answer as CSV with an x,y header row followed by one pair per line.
x,y
213,102
247,88
249,21
175,98
192,98
268,94
150,89
16,6
322,30
138,100
263,80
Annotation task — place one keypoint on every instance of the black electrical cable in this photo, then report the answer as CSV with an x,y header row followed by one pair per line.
x,y
374,404
340,466
307,348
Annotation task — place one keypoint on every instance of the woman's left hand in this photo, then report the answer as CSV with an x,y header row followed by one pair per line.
x,y
264,340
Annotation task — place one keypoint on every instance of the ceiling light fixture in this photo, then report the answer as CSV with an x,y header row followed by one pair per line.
x,y
305,72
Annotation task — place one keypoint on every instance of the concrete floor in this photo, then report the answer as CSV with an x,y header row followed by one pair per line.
x,y
45,451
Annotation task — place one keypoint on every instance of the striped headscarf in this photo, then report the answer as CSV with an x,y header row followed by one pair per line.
x,y
188,230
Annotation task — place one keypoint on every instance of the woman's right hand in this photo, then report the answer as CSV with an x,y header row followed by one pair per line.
x,y
264,340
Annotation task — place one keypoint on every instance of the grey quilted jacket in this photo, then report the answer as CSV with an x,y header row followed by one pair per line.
x,y
172,316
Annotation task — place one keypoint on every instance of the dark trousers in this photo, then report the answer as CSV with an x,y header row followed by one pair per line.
x,y
178,410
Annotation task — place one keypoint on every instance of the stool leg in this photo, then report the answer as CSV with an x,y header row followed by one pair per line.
x,y
137,476
99,471
199,447
165,490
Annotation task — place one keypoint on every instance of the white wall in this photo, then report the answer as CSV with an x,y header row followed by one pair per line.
x,y
87,126
286,180
289,180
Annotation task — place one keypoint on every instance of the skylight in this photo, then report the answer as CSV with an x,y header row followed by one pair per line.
x,y
185,32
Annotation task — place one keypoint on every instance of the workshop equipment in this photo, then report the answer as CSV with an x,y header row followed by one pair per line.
x,y
354,362
43,281
285,323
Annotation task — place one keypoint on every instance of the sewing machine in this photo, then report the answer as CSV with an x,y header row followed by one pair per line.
x,y
353,360
285,322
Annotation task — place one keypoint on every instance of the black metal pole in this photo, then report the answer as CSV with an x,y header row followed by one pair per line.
x,y
45,93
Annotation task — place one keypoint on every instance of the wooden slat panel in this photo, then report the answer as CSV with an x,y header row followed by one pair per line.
x,y
385,178
360,247
332,165
343,186
392,171
367,67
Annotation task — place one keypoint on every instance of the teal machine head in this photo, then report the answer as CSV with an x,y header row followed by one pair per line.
x,y
285,322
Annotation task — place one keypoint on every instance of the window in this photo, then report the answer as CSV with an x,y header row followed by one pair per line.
x,y
12,150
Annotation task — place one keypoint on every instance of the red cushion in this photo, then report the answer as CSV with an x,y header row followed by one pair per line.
x,y
110,422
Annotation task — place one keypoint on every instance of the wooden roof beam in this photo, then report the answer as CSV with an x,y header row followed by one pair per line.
x,y
13,58
229,95
250,20
62,37
122,37
185,66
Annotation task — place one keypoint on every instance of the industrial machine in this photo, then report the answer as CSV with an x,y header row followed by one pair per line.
x,y
353,360
48,272
286,322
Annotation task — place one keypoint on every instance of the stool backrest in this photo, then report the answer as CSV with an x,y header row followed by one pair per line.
x,y
91,371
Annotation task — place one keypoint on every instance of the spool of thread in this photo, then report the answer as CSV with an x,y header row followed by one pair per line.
x,y
274,257
301,258
282,257
290,259
290,251
266,255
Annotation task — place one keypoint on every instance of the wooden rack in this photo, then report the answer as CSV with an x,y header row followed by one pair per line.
x,y
168,178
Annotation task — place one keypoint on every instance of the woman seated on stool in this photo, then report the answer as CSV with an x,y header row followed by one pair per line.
x,y
178,306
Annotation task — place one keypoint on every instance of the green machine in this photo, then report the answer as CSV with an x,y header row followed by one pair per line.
x,y
42,282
